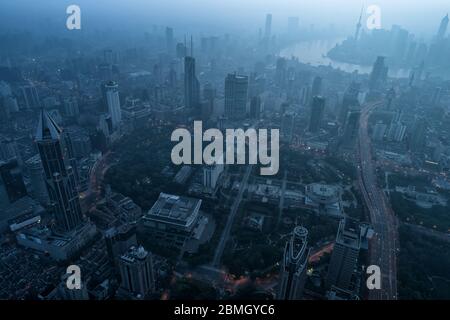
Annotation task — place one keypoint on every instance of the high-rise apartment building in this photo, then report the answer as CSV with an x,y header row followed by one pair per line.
x,y
317,111
236,88
344,259
113,102
137,274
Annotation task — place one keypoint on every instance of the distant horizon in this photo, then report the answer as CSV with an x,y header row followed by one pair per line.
x,y
232,16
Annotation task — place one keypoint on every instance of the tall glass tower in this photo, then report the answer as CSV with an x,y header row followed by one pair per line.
x,y
56,153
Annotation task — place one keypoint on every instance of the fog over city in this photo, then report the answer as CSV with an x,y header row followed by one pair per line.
x,y
220,16
221,151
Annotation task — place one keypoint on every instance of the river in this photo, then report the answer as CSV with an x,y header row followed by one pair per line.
x,y
314,53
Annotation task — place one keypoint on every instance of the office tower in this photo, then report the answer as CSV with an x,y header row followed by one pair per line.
x,y
56,154
9,150
344,258
305,94
12,187
30,96
255,107
209,92
350,99
180,50
236,88
37,179
207,105
293,266
418,136
136,272
71,107
172,78
390,96
268,26
287,126
113,101
317,110
379,74
442,28
280,72
316,87
396,132
118,240
169,40
399,43
379,131
191,86
352,124
211,175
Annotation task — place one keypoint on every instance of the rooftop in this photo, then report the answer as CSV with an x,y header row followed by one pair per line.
x,y
48,129
173,209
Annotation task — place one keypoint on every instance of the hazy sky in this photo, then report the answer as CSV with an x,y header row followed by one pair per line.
x,y
419,16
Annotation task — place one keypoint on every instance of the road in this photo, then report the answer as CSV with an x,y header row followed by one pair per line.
x,y
93,194
233,211
383,248
281,203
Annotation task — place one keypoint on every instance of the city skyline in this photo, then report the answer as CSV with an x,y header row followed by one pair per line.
x,y
136,164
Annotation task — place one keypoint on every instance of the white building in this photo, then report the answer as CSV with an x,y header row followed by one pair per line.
x,y
211,175
112,98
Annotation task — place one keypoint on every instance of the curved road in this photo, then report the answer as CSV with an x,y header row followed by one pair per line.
x,y
383,247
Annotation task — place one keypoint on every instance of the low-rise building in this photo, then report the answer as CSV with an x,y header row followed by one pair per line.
x,y
173,220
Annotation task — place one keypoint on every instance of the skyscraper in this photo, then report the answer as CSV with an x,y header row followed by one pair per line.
x,y
211,175
287,126
136,271
418,136
55,152
344,258
293,266
350,99
11,180
442,28
268,26
378,74
255,107
317,110
316,86
281,72
37,180
236,88
30,96
113,101
191,86
352,123
379,131
169,40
